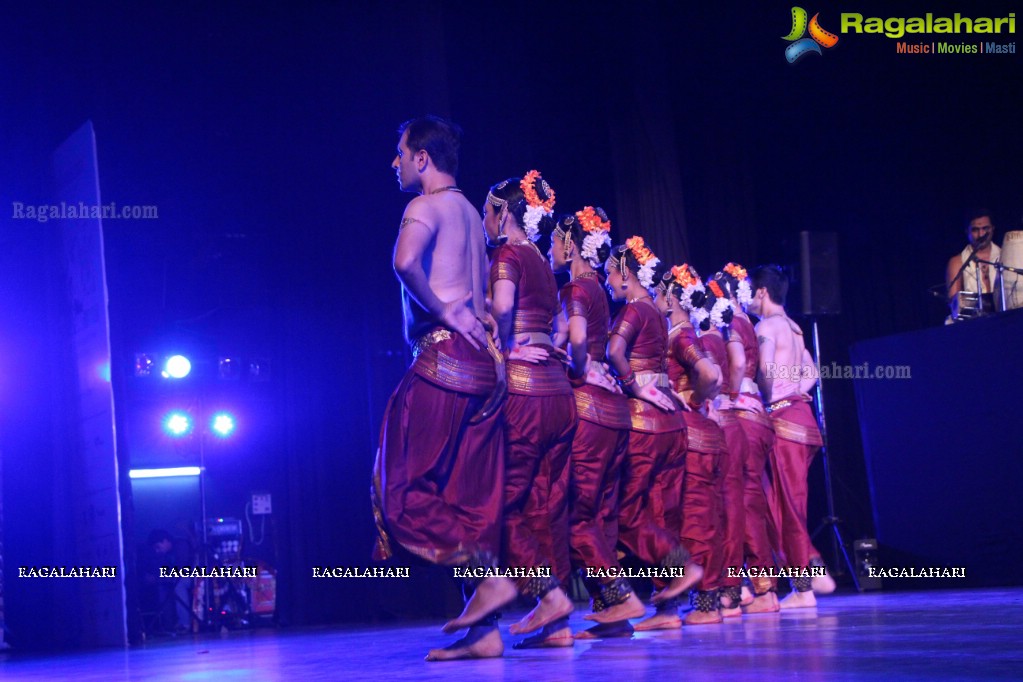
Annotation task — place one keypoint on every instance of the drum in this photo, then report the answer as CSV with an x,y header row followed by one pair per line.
x,y
1012,255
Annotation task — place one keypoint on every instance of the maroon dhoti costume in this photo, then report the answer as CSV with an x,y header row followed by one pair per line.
x,y
649,521
437,485
733,462
539,424
703,523
598,451
797,439
759,435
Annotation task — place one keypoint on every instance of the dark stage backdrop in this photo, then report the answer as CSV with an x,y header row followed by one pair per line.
x,y
264,136
944,473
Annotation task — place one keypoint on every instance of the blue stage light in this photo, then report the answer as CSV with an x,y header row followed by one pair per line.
x,y
222,424
164,473
177,424
177,367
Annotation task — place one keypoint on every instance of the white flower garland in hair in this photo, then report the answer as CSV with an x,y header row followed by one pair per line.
x,y
745,294
591,247
646,272
698,316
531,221
718,309
687,297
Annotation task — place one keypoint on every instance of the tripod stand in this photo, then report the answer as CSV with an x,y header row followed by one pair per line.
x,y
831,520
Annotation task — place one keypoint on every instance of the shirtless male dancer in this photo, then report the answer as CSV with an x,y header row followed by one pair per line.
x,y
437,491
786,374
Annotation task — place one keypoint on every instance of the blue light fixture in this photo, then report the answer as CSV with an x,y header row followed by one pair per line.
x,y
176,367
177,424
223,424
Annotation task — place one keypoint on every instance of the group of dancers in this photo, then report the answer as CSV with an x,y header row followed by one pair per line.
x,y
534,436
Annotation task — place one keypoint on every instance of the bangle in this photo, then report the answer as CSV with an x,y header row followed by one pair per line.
x,y
627,380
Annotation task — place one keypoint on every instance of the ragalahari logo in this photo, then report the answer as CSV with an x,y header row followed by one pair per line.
x,y
802,46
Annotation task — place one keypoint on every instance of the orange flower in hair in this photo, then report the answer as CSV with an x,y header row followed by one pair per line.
x,y
528,185
592,222
639,250
736,271
716,288
683,276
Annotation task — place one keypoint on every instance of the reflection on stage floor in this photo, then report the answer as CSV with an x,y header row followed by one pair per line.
x,y
926,635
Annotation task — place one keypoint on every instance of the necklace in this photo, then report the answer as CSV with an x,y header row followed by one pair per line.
x,y
640,298
588,273
449,188
524,242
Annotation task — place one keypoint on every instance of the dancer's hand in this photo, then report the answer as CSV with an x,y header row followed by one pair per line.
x,y
458,316
653,395
531,354
597,375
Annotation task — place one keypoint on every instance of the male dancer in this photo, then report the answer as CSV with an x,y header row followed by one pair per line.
x,y
437,480
797,437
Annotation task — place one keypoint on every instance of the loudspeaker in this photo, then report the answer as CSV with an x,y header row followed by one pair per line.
x,y
818,257
865,553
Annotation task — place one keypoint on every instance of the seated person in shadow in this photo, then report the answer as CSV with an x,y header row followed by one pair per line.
x,y
168,597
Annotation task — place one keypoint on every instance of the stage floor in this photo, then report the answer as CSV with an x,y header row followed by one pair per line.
x,y
932,635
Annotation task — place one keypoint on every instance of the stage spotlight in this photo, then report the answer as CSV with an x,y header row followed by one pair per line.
x,y
177,424
259,369
144,364
229,368
176,367
222,424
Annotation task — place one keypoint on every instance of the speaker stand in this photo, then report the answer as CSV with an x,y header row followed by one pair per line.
x,y
831,521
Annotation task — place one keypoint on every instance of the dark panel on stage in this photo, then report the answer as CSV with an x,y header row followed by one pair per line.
x,y
818,261
943,448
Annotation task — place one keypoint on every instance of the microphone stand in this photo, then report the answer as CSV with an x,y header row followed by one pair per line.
x,y
832,520
1001,269
962,268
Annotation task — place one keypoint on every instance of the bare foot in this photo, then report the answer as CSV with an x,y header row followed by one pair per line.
x,y
660,621
555,604
823,584
764,603
703,618
562,637
732,612
799,600
490,595
747,596
630,608
622,628
690,576
488,645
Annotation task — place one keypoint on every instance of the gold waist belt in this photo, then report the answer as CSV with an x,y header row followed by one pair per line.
x,y
602,407
546,378
532,321
780,405
755,417
446,359
647,418
704,435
